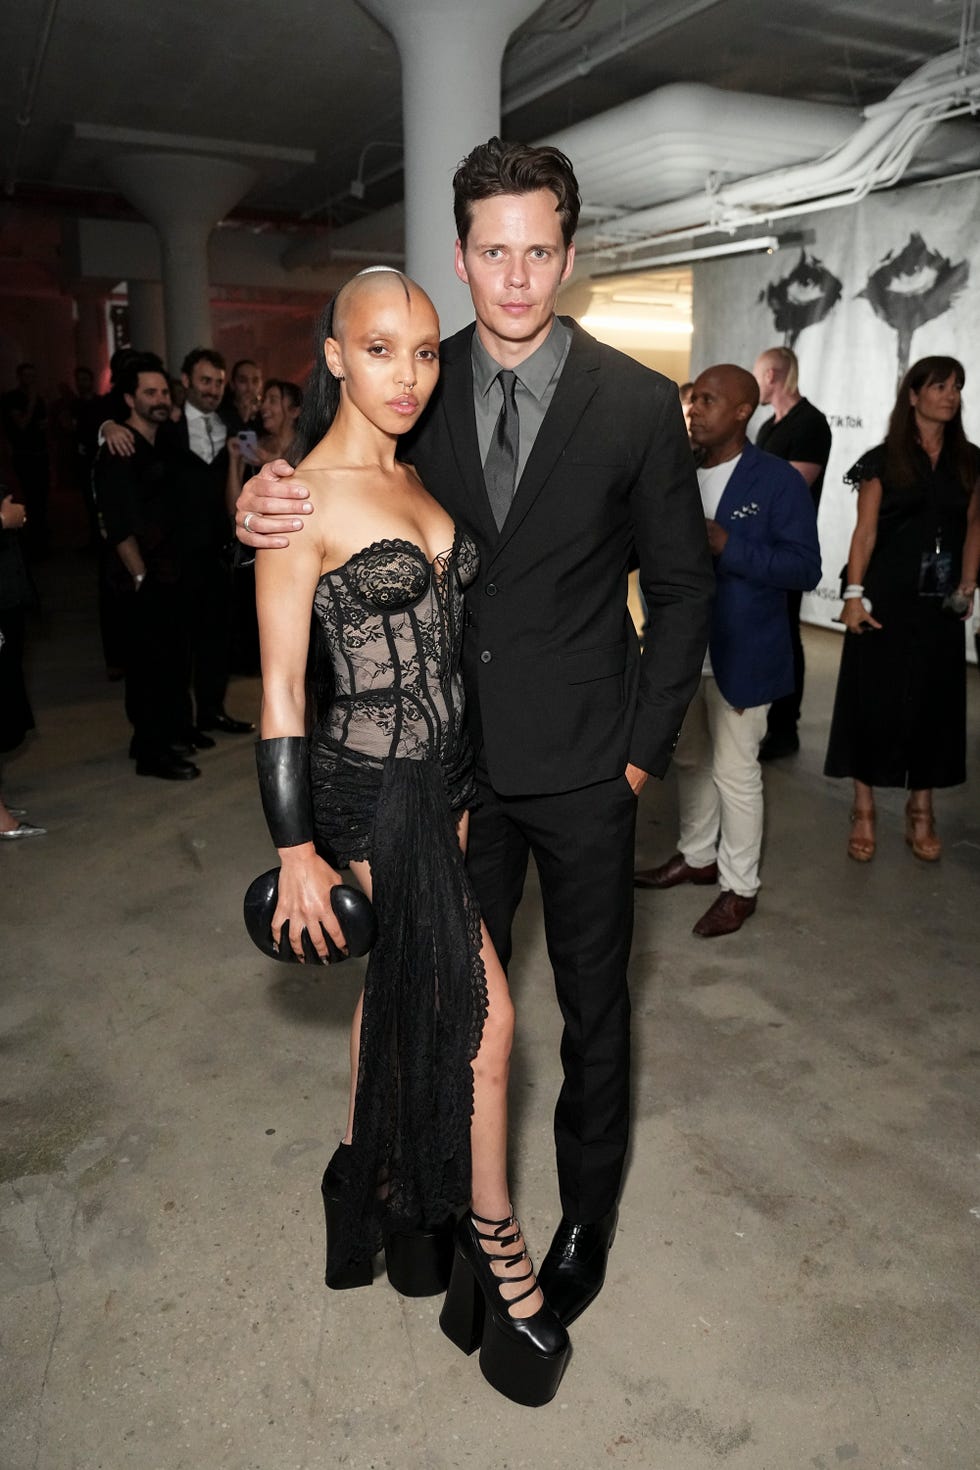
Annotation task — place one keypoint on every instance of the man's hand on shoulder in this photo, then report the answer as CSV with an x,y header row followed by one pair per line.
x,y
271,503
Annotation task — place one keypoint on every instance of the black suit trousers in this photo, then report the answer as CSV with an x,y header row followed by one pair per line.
x,y
208,623
784,713
582,842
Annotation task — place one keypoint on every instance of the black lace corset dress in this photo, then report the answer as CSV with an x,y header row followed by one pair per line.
x,y
392,769
387,682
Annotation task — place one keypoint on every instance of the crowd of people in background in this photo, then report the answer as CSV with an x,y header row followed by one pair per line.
x,y
159,463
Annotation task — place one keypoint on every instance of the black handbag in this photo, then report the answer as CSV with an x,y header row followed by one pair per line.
x,y
352,908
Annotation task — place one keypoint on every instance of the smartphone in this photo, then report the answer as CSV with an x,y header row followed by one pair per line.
x,y
249,441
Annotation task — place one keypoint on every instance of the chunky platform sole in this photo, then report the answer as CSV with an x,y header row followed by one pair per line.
x,y
340,1275
513,1367
420,1262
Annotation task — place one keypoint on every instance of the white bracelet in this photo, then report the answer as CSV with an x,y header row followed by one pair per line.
x,y
853,591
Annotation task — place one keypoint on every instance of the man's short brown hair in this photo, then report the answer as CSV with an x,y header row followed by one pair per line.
x,y
515,168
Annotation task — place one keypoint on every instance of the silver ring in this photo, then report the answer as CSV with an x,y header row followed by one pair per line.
x,y
247,519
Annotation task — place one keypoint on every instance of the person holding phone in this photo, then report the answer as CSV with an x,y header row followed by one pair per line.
x,y
900,710
282,403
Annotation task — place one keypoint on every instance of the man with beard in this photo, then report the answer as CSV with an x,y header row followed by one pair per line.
x,y
199,439
138,510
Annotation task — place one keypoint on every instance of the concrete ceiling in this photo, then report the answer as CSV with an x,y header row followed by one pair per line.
x,y
322,76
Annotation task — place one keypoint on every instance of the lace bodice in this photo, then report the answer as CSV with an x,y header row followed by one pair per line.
x,y
392,625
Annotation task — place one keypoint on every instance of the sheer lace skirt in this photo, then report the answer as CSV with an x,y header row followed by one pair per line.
x,y
425,995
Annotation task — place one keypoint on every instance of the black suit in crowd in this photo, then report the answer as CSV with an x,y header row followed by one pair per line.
x,y
560,700
136,496
206,567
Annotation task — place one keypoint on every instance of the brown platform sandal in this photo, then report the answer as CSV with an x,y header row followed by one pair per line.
x,y
920,833
861,843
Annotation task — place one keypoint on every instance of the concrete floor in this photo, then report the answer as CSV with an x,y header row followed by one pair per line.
x,y
795,1281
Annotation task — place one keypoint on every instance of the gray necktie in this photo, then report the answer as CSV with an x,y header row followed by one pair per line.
x,y
500,470
207,425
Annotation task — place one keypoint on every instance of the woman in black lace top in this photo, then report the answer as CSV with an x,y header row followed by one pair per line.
x,y
381,761
900,711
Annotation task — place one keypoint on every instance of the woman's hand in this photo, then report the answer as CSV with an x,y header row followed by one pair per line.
x,y
119,440
305,882
855,616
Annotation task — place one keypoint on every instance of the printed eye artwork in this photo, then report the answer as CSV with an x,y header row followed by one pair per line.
x,y
803,298
912,288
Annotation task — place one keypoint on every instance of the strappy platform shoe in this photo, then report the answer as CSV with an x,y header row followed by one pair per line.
x,y
861,842
920,833
521,1357
417,1262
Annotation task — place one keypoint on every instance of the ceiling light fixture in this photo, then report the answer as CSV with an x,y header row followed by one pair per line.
x,y
597,321
769,243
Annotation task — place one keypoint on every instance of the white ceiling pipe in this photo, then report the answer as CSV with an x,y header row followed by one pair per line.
x,y
665,144
848,170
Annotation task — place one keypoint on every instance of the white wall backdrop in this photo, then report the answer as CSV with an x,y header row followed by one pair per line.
x,y
875,287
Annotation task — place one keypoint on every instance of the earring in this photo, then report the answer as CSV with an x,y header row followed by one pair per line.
x,y
341,377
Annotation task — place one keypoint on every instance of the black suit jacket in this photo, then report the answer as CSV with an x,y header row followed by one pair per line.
x,y
206,526
558,695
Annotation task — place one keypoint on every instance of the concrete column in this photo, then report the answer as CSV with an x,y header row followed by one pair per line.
x,y
451,53
183,195
147,325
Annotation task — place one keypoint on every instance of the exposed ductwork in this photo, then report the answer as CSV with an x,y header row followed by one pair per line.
x,y
876,155
690,160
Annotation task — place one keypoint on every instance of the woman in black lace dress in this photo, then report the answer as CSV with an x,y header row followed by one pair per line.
x,y
900,711
377,775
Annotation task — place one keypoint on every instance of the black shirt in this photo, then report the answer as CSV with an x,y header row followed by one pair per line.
x,y
136,496
802,435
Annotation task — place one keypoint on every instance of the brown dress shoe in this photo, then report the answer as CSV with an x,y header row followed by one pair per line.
x,y
675,870
726,914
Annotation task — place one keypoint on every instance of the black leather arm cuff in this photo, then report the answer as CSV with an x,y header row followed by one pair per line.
x,y
284,782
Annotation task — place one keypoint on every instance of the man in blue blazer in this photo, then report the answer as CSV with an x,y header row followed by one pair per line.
x,y
762,532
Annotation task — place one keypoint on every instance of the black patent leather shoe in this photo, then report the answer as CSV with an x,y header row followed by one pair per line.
x,y
167,768
227,725
521,1357
574,1269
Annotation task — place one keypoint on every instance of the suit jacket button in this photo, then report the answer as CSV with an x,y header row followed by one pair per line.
x,y
486,656
491,589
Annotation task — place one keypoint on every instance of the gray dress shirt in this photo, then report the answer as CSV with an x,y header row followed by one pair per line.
x,y
537,378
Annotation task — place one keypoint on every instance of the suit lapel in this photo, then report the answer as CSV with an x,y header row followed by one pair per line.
x,y
576,386
456,395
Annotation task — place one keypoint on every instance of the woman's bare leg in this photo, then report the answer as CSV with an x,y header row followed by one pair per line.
x,y
489,1189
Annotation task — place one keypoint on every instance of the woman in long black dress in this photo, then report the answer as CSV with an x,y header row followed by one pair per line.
x,y
900,711
382,783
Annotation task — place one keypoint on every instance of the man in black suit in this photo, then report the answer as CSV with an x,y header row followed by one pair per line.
x,y
199,440
561,458
139,515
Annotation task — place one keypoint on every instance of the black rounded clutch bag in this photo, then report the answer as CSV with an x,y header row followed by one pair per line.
x,y
352,908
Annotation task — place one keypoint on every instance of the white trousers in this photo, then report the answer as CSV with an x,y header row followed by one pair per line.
x,y
719,785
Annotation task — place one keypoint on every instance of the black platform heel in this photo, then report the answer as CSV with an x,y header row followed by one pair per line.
x,y
340,1274
420,1262
521,1357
